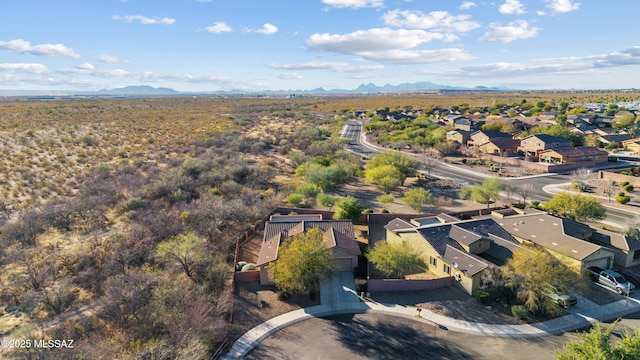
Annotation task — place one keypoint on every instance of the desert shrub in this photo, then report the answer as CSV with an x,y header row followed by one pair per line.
x,y
519,311
134,204
623,184
481,296
249,267
629,188
623,199
295,199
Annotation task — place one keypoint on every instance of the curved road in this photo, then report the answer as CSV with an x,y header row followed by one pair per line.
x,y
382,337
352,130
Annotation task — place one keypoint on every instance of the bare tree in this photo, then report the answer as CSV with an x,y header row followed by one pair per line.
x,y
525,190
607,187
579,178
431,160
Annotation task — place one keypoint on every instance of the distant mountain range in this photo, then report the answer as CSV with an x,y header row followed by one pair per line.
x,y
141,90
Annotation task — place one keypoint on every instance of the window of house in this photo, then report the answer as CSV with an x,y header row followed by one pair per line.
x,y
636,255
432,260
447,269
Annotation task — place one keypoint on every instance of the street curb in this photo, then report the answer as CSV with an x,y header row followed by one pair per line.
x,y
557,326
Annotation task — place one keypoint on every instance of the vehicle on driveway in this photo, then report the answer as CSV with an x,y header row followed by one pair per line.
x,y
560,296
611,279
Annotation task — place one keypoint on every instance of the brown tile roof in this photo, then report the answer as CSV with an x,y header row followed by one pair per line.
x,y
463,236
340,232
333,238
616,240
576,151
399,225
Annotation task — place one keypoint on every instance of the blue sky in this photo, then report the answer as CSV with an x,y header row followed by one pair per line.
x,y
210,45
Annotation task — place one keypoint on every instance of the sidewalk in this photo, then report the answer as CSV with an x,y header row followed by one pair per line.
x,y
581,316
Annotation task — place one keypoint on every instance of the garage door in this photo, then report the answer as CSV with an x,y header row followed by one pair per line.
x,y
602,263
343,264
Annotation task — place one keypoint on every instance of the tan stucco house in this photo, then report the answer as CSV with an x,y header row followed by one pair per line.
x,y
337,235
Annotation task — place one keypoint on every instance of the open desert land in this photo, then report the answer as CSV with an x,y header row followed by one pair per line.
x,y
119,217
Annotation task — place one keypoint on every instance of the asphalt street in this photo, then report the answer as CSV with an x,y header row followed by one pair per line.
x,y
382,337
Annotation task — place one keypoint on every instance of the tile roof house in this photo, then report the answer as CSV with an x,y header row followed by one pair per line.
x,y
533,144
338,235
573,155
565,239
484,136
452,247
459,136
626,250
500,146
613,138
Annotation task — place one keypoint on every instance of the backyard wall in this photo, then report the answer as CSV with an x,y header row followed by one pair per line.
x,y
407,285
614,176
542,167
247,276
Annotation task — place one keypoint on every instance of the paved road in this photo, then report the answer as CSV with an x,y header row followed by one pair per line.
x,y
353,130
376,336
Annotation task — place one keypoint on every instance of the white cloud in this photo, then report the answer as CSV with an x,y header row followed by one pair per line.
x,y
85,67
378,39
512,7
109,59
326,65
268,29
22,46
219,27
29,68
467,5
399,56
144,20
387,45
562,6
630,56
513,31
354,4
438,20
289,76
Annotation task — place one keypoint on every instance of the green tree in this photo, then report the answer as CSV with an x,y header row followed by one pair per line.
x,y
396,259
326,200
596,344
387,177
385,199
576,207
303,261
483,193
188,250
347,209
309,191
625,122
402,162
295,199
531,270
325,177
417,198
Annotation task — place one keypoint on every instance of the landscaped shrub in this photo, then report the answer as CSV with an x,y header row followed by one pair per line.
x,y
623,184
384,211
367,211
519,205
249,267
519,312
482,296
623,199
535,204
628,188
240,265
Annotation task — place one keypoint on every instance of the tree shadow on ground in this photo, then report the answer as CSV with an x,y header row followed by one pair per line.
x,y
389,338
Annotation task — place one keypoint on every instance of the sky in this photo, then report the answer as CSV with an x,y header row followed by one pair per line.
x,y
253,45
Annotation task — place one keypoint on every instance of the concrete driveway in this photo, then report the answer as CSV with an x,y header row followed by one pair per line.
x,y
340,289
